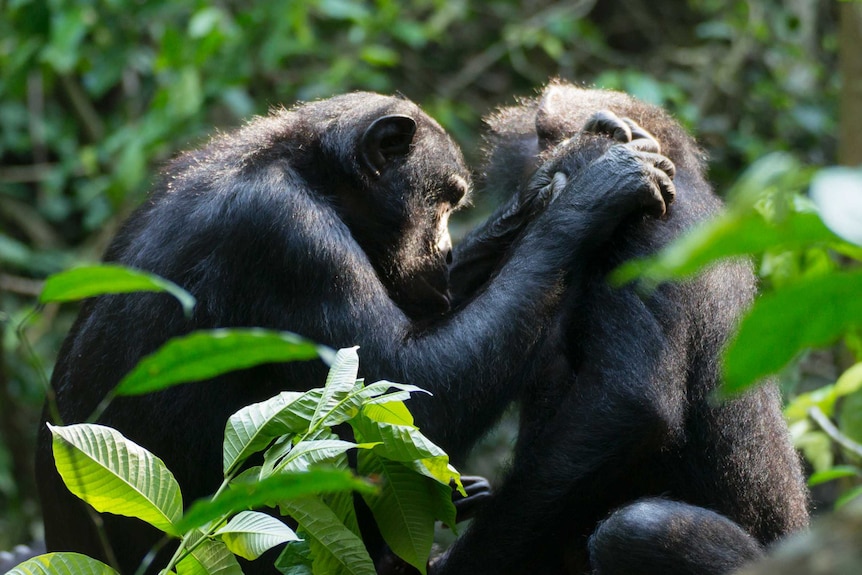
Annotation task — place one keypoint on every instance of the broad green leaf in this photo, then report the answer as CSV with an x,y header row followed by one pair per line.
x,y
349,406
307,453
822,397
206,354
62,564
394,412
115,475
850,418
208,557
848,497
404,509
340,382
335,548
783,323
729,235
295,559
267,492
250,534
850,381
89,281
405,443
252,428
834,473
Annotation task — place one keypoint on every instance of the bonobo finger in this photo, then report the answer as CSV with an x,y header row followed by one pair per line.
x,y
478,492
606,123
661,192
641,139
663,163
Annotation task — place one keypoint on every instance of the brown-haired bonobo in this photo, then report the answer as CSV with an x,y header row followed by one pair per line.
x,y
328,220
619,413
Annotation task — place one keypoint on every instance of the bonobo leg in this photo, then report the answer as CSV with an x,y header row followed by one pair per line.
x,y
653,536
626,405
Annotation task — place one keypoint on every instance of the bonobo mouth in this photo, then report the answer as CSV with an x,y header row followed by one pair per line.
x,y
425,297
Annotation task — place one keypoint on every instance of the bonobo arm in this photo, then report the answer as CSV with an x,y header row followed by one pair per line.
x,y
626,404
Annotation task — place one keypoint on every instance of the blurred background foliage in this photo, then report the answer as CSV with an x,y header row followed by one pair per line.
x,y
96,94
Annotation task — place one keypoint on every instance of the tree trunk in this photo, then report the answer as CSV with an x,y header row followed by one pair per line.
x,y
850,115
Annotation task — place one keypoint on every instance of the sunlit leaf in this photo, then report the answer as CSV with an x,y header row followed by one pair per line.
x,y
250,534
783,323
206,354
252,428
833,474
335,548
249,495
403,510
89,281
114,474
209,557
340,382
62,564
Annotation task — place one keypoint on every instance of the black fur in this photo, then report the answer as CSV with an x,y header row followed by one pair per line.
x,y
328,220
619,406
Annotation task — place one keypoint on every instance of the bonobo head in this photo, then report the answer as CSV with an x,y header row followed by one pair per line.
x,y
395,176
519,135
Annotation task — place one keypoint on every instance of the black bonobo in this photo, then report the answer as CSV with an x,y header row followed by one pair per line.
x,y
618,413
328,220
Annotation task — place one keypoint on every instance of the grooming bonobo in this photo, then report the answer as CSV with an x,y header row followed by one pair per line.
x,y
328,220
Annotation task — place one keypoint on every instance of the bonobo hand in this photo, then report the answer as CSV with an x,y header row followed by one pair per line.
x,y
533,199
622,180
622,130
478,492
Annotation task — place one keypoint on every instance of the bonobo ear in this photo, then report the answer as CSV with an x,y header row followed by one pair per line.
x,y
386,138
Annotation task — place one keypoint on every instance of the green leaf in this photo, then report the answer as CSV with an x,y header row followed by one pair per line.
x,y
340,382
295,559
783,323
833,474
335,548
206,354
404,509
267,492
62,564
394,412
89,281
848,497
250,534
208,558
729,235
850,381
252,428
307,453
115,475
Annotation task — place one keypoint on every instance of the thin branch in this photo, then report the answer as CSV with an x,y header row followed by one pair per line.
x,y
820,418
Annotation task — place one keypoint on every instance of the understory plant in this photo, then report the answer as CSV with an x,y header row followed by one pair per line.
x,y
403,477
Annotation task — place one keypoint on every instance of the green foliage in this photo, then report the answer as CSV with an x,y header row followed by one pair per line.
x,y
304,473
812,279
95,96
83,282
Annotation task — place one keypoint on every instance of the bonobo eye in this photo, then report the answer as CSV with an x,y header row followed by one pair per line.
x,y
386,138
456,190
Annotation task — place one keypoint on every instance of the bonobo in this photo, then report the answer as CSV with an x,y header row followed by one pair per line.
x,y
328,220
618,412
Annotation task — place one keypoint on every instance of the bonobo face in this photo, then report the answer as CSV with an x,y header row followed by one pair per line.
x,y
411,176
